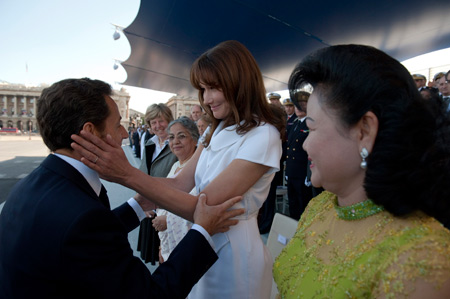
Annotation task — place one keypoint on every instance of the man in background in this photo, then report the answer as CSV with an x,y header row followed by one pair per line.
x,y
299,193
145,136
196,112
444,90
137,142
290,112
274,99
267,211
420,80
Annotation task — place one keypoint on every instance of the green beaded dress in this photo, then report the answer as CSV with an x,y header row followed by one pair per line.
x,y
361,251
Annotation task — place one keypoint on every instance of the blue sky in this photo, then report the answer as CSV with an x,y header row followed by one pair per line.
x,y
49,40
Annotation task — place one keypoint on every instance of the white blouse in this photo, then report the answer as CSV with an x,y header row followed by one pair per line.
x,y
261,145
177,227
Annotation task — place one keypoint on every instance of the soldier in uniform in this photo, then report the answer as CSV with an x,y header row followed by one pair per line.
x,y
290,112
299,193
274,99
267,211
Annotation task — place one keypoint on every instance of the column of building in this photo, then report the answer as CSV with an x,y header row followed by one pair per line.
x,y
5,105
24,108
33,101
14,100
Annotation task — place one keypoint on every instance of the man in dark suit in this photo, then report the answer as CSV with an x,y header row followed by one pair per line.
x,y
290,112
137,143
58,236
267,211
299,194
447,100
444,89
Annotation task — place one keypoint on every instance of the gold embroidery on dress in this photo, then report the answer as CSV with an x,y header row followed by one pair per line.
x,y
379,255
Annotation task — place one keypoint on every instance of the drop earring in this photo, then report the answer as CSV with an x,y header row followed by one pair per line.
x,y
364,154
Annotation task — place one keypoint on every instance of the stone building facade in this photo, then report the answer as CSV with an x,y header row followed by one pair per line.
x,y
122,99
18,106
181,105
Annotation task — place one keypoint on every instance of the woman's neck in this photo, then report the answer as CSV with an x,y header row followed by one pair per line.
x,y
161,140
354,197
183,161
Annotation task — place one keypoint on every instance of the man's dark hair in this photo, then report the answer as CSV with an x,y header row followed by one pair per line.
x,y
67,105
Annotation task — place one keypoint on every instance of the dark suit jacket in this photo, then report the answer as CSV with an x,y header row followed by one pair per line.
x,y
137,144
296,157
147,135
289,126
290,123
59,241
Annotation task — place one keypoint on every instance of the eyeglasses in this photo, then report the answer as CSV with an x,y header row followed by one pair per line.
x,y
180,137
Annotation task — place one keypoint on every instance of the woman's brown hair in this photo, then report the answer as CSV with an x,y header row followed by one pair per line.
x,y
231,68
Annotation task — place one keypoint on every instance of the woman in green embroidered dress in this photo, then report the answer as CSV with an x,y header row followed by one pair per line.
x,y
383,155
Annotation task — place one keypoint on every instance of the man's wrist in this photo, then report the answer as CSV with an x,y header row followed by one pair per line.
x,y
203,231
137,208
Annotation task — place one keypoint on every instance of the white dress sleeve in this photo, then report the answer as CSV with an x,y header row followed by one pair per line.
x,y
262,145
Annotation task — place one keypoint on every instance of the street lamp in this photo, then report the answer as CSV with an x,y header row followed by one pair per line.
x,y
116,34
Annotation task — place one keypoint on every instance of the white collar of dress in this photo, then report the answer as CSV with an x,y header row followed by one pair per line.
x,y
224,137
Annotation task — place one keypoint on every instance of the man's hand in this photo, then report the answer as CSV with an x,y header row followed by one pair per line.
x,y
105,156
216,219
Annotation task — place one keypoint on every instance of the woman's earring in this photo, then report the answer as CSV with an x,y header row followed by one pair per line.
x,y
364,154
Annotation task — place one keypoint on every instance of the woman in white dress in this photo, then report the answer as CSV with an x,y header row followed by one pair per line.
x,y
239,156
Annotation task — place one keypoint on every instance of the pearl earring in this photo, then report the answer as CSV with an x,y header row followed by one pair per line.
x,y
364,154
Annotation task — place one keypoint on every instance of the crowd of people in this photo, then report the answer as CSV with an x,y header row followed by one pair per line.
x,y
436,89
365,158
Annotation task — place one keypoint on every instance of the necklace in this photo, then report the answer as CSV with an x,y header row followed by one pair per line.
x,y
183,164
357,211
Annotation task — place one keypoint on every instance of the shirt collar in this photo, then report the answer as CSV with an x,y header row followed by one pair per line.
x,y
90,175
155,140
300,119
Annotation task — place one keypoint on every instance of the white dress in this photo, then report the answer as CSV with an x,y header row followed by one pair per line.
x,y
244,267
177,227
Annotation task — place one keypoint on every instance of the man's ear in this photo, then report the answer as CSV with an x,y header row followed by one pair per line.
x,y
89,127
368,130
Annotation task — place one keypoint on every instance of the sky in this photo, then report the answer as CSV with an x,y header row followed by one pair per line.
x,y
45,41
